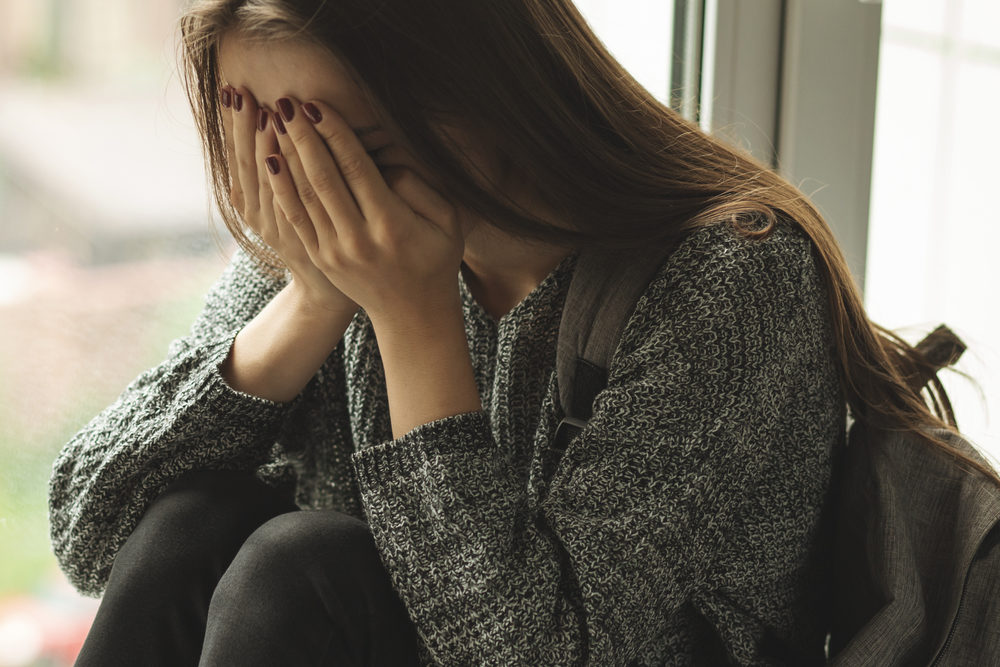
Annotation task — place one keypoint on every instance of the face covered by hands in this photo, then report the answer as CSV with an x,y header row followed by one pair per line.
x,y
318,185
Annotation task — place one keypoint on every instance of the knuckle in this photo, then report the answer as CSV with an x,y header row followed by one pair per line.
x,y
268,236
308,196
362,251
394,242
351,166
326,259
394,176
382,225
246,164
297,218
323,182
253,222
265,192
388,241
251,206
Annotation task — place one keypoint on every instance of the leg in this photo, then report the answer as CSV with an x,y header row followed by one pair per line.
x,y
154,608
308,588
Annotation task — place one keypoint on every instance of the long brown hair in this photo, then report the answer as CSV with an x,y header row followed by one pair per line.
x,y
598,146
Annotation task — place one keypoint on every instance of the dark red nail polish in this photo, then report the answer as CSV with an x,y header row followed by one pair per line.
x,y
273,165
312,112
226,98
279,124
261,120
286,109
237,101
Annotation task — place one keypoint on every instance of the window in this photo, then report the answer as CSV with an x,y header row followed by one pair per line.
x,y
639,33
106,248
934,232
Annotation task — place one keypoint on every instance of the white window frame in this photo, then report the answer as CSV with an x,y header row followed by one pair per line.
x,y
794,82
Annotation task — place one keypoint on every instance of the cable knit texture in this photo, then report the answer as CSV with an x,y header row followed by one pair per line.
x,y
682,525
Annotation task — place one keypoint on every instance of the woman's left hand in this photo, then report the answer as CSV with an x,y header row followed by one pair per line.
x,y
388,241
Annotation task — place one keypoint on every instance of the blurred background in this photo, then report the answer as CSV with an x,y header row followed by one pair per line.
x,y
884,113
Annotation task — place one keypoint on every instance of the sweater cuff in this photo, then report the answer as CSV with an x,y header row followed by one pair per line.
x,y
378,464
227,400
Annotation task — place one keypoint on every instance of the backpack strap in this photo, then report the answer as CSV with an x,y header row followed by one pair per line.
x,y
940,348
602,294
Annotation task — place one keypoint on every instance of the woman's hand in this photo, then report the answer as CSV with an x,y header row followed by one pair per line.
x,y
388,241
250,137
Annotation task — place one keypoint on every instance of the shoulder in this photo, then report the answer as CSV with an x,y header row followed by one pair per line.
x,y
710,253
720,280
240,292
245,279
248,270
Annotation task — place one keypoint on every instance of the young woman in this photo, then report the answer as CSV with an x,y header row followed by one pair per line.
x,y
411,184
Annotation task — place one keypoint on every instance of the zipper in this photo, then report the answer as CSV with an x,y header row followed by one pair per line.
x,y
954,622
965,585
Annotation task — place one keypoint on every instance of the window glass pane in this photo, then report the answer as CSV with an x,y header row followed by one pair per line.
x,y
924,16
638,34
933,233
106,249
979,24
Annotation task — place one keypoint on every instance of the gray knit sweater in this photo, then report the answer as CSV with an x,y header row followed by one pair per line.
x,y
682,525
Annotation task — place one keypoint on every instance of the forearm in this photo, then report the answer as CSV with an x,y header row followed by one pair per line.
x,y
276,354
428,372
176,417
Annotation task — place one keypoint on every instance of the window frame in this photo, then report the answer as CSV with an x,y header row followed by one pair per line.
x,y
794,83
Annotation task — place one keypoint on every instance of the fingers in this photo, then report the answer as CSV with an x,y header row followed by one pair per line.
x,y
265,144
421,197
290,213
330,191
332,176
355,164
226,111
375,191
244,150
310,208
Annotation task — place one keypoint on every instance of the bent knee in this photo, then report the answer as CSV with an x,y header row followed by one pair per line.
x,y
295,559
203,516
301,547
305,536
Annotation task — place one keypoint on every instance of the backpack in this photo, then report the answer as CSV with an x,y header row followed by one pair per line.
x,y
916,543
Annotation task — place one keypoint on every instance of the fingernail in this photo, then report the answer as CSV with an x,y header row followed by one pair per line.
x,y
261,120
279,124
237,101
273,165
311,112
286,109
226,98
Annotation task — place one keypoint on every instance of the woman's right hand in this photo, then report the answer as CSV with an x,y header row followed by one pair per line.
x,y
250,138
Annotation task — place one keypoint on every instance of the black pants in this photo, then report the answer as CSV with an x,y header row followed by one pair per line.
x,y
225,570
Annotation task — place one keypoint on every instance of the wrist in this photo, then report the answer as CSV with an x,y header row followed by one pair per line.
x,y
276,353
320,308
426,320
428,370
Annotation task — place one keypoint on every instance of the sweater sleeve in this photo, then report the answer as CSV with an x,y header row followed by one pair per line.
x,y
176,417
700,471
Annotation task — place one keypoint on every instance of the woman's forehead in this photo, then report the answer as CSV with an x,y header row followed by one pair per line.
x,y
274,69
